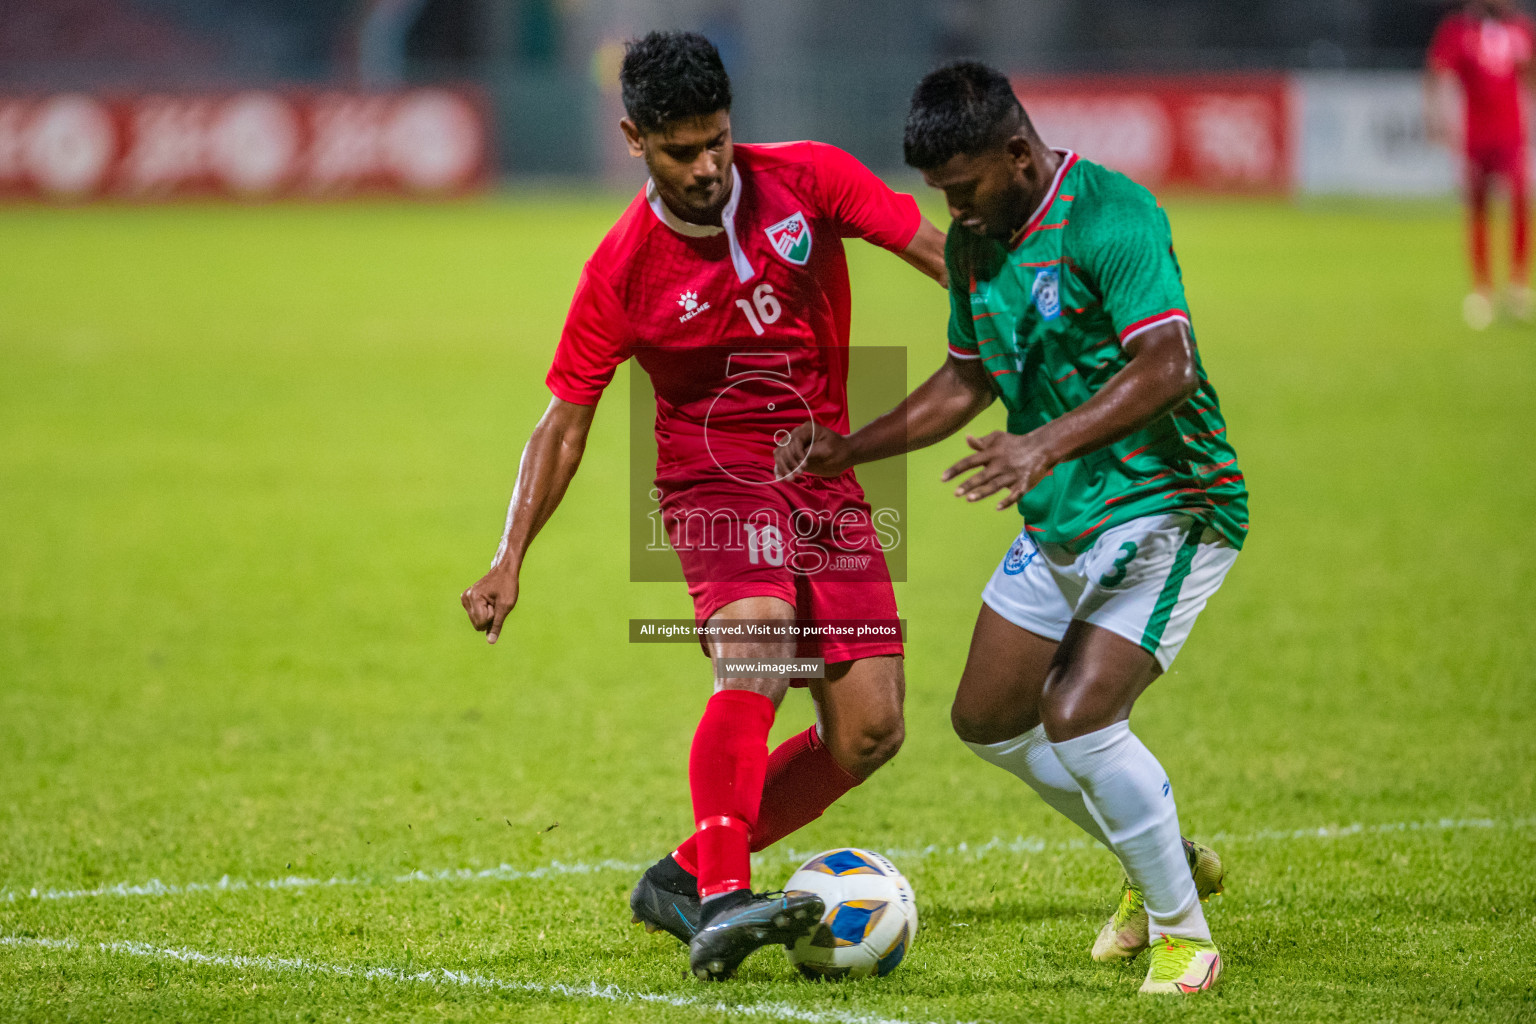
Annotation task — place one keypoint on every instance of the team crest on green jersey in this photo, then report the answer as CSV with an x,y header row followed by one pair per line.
x,y
791,238
1047,293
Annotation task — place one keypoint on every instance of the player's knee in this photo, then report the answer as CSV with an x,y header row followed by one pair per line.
x,y
969,725
1069,711
869,745
977,721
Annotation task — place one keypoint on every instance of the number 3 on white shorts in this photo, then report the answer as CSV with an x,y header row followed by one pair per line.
x,y
1116,576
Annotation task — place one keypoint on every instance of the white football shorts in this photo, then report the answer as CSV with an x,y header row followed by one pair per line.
x,y
1146,580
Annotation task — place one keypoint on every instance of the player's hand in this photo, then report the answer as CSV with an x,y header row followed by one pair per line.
x,y
812,448
489,602
1012,463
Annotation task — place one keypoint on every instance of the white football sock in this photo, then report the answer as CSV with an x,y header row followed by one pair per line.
x,y
1129,792
1031,758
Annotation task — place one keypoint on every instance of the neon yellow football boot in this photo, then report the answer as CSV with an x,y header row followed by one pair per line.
x,y
1181,966
1124,935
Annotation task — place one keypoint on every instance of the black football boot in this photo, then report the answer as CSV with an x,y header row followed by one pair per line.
x,y
666,899
738,923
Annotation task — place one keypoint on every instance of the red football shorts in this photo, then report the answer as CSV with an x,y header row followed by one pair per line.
x,y
810,542
1505,160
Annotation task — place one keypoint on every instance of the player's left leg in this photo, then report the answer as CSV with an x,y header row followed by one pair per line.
x,y
859,729
1477,308
1086,709
1132,619
1519,300
801,781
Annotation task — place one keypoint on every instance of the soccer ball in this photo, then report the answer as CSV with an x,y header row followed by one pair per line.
x,y
871,916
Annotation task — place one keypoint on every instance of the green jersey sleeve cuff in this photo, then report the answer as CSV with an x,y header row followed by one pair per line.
x,y
1155,320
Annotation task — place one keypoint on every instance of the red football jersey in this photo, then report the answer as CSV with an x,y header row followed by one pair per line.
x,y
742,328
1488,56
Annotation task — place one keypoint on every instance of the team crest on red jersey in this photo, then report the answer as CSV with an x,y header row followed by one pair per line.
x,y
791,238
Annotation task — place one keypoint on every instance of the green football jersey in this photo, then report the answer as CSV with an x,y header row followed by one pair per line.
x,y
1049,316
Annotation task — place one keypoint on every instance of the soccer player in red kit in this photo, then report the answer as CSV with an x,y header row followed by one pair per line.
x,y
726,281
1486,49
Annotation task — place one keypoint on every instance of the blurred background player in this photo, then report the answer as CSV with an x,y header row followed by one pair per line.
x,y
730,259
1068,304
1485,50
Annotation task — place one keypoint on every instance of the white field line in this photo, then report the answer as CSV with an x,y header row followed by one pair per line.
x,y
1030,844
155,887
507,873
444,977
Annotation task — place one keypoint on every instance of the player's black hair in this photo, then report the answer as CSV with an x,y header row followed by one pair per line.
x,y
671,75
963,107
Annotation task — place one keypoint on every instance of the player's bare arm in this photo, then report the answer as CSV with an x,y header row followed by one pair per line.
x,y
1439,101
956,394
1161,376
926,252
549,462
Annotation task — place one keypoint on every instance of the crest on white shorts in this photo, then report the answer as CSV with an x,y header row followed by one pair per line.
x,y
1020,555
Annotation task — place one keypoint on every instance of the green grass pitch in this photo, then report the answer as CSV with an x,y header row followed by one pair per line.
x,y
249,458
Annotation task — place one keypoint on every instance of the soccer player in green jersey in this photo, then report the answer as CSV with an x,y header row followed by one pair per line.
x,y
1067,303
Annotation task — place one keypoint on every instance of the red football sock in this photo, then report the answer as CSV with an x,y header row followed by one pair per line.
x,y
725,771
803,780
807,781
1519,230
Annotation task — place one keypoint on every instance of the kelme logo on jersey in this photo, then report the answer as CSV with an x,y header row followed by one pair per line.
x,y
791,238
691,306
1047,293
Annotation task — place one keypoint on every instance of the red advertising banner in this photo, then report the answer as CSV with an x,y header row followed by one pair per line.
x,y
254,144
1215,133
